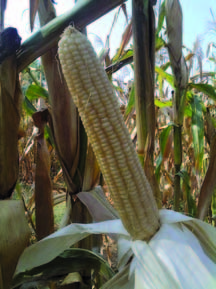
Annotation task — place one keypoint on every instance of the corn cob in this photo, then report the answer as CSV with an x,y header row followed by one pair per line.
x,y
110,139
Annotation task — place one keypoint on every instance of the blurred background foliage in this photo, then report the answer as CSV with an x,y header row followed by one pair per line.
x,y
197,116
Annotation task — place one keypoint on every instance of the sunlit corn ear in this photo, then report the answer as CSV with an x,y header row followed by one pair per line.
x,y
174,33
108,135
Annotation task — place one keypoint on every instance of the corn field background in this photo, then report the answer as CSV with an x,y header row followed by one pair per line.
x,y
195,143
168,109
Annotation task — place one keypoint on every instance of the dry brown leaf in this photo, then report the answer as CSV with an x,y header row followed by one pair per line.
x,y
10,98
209,183
43,188
33,10
15,235
125,38
124,9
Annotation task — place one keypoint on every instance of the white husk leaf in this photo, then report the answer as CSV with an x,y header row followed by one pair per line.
x,y
181,254
174,257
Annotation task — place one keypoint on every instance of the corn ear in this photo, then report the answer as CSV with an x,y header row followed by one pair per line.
x,y
110,139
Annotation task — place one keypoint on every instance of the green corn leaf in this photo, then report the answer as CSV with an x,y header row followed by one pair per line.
x,y
28,106
125,59
126,55
188,111
48,136
159,43
36,91
165,66
168,77
121,280
204,88
30,110
191,203
161,104
161,18
158,167
204,74
71,260
131,101
164,137
197,127
163,142
161,86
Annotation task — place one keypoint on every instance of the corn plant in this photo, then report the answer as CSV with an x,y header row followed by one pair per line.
x,y
149,239
149,253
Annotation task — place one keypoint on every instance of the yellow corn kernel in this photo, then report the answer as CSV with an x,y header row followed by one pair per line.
x,y
110,139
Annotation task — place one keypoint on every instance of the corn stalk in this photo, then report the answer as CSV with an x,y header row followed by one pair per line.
x,y
82,14
144,63
179,68
65,118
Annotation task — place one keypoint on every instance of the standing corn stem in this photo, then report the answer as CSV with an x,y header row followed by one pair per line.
x,y
144,54
174,32
178,162
143,67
